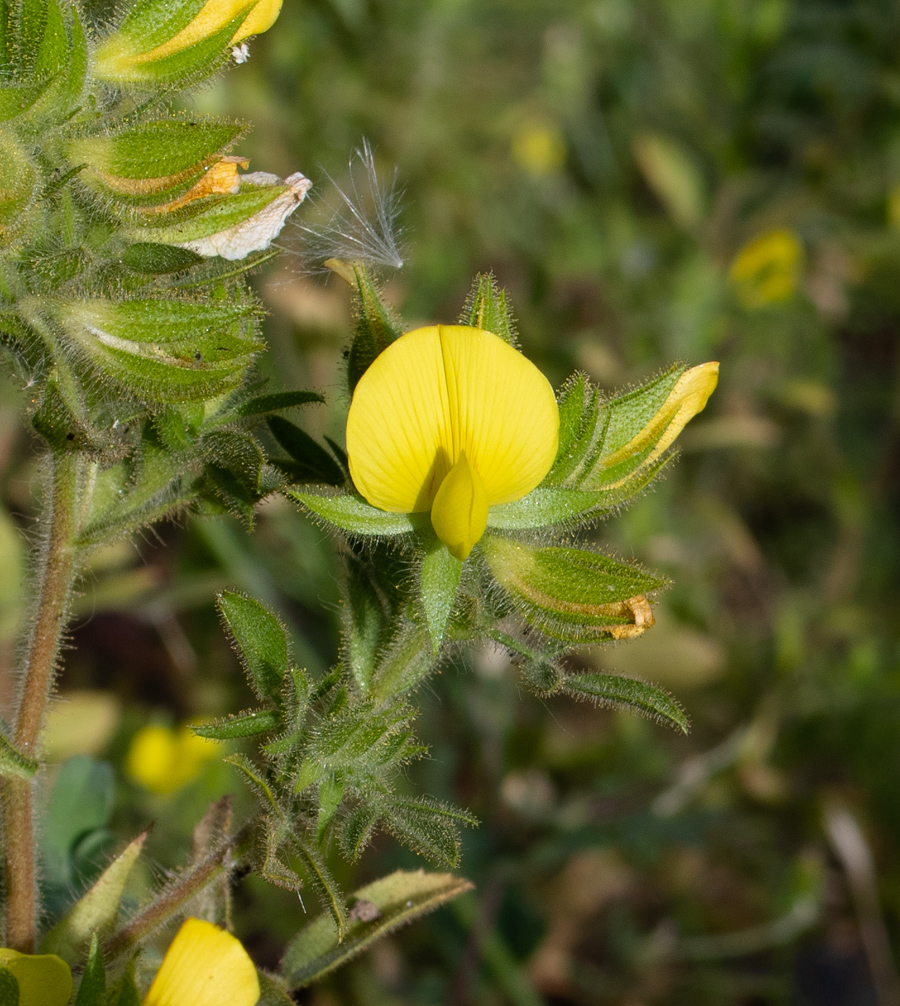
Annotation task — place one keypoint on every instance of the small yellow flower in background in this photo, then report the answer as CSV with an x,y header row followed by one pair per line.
x,y
453,420
43,979
893,206
121,56
163,759
768,269
204,966
538,147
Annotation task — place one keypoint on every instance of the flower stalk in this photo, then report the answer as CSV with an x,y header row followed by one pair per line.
x,y
57,573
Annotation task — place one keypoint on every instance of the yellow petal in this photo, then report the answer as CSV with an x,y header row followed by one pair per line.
x,y
437,392
685,400
213,17
43,979
151,759
460,510
204,966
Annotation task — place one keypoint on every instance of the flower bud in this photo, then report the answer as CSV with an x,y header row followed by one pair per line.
x,y
161,41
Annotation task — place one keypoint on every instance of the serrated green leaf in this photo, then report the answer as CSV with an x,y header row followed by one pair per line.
x,y
14,764
350,512
96,911
92,990
248,724
621,692
263,404
318,949
260,639
312,463
487,308
439,584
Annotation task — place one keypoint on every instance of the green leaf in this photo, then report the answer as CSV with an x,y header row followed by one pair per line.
x,y
148,257
544,507
439,584
128,994
620,692
248,724
350,512
319,948
81,803
331,792
405,662
96,911
272,992
426,826
92,991
487,308
9,989
156,150
365,621
169,350
312,463
264,404
260,639
14,764
376,327
321,881
674,176
357,829
18,179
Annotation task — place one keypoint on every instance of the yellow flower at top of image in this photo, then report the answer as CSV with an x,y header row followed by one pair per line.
x,y
452,420
121,57
163,759
41,979
538,147
204,966
767,269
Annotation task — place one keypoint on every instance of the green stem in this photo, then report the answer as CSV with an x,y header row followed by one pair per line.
x,y
56,575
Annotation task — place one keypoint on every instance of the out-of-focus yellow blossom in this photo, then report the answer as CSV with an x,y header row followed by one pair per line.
x,y
453,420
43,979
538,147
893,206
163,759
120,57
768,269
204,966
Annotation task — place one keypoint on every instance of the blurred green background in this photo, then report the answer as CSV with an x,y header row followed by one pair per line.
x,y
653,180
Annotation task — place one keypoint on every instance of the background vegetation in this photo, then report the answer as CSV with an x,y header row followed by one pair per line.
x,y
613,162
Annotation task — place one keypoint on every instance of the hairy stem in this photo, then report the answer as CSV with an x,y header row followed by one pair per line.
x,y
55,578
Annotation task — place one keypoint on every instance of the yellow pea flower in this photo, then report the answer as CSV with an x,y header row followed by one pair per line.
x,y
204,966
452,420
767,269
120,56
163,759
43,979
